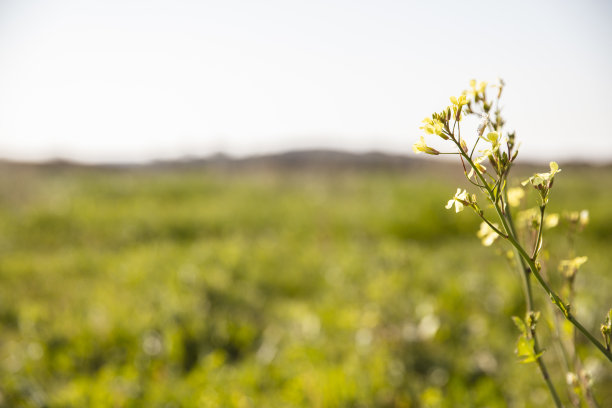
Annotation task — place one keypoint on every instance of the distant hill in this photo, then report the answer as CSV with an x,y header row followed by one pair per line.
x,y
303,159
316,159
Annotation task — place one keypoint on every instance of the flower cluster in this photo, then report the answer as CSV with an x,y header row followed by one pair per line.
x,y
477,90
531,219
543,181
487,171
577,220
569,267
433,127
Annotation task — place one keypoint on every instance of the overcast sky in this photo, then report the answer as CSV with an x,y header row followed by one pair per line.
x,y
130,80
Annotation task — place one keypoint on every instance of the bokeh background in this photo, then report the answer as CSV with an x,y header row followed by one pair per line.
x,y
215,204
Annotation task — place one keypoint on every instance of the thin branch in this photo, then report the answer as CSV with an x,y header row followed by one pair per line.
x,y
493,227
534,269
526,278
538,241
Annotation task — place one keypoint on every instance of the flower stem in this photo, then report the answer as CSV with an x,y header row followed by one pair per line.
x,y
538,242
526,278
533,267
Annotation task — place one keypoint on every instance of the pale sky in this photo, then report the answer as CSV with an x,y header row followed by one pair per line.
x,y
133,80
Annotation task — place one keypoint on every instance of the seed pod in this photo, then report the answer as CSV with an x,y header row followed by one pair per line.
x,y
484,121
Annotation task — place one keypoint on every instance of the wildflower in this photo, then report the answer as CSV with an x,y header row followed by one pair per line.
x,y
573,263
569,267
572,379
433,127
543,180
515,195
583,219
460,200
551,220
529,218
492,137
420,146
482,86
460,101
482,169
494,145
477,88
486,234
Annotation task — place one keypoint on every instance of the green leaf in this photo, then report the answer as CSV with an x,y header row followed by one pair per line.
x,y
520,324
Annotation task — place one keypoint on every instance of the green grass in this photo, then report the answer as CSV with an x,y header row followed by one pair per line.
x,y
271,289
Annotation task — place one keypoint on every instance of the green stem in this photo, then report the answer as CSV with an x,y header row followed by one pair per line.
x,y
538,241
533,267
545,375
526,278
557,300
510,232
493,227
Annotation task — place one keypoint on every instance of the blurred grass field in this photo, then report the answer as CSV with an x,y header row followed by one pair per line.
x,y
196,287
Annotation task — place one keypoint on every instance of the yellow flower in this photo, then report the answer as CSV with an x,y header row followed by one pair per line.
x,y
551,220
477,88
584,218
420,146
569,267
576,262
433,127
482,169
486,234
530,218
492,150
473,91
459,200
540,179
462,100
554,168
482,87
581,218
492,137
515,195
